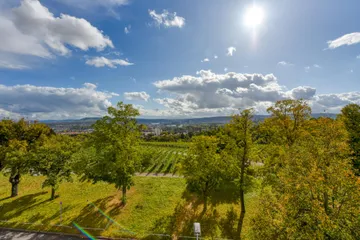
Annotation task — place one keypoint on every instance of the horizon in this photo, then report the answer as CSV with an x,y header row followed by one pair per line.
x,y
61,59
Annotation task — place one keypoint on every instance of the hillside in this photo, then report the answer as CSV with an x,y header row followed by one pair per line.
x,y
155,206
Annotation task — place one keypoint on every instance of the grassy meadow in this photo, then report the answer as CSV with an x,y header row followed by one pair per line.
x,y
155,205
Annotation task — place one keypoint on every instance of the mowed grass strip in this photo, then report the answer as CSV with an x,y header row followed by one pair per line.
x,y
155,205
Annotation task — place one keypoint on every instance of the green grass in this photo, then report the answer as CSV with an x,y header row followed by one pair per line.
x,y
155,205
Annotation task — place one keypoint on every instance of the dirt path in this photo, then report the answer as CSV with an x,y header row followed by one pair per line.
x,y
169,175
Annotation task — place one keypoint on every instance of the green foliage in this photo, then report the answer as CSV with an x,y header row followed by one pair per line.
x,y
288,118
18,141
52,160
238,152
114,148
202,166
351,118
316,195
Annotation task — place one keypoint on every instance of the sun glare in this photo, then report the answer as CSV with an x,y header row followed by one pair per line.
x,y
254,16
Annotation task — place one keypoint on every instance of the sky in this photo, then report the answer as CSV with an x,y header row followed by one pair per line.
x,y
70,59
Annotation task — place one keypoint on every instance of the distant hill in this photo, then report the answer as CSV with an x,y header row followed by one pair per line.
x,y
204,120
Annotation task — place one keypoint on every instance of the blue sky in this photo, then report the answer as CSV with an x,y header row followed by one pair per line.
x,y
71,59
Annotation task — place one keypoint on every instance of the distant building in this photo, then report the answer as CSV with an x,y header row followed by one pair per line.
x,y
157,131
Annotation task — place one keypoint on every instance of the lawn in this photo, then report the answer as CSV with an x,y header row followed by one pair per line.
x,y
155,205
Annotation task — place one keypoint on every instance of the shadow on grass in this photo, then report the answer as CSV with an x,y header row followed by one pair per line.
x,y
213,224
227,192
91,216
16,207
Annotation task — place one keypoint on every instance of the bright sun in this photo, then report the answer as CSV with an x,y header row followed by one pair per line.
x,y
254,16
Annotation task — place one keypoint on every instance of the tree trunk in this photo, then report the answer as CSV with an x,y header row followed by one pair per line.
x,y
205,195
123,200
52,193
205,204
242,214
242,179
14,184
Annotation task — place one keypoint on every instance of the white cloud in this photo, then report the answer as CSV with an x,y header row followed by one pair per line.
x,y
127,29
31,29
358,56
205,60
103,61
13,66
215,56
230,51
137,96
225,69
334,102
347,39
308,68
37,102
194,94
167,19
285,64
85,4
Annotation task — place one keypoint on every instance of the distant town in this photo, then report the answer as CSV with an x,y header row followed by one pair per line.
x,y
156,127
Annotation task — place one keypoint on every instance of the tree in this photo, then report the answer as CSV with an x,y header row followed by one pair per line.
x,y
53,160
114,143
351,118
317,195
16,163
288,117
202,167
18,140
237,151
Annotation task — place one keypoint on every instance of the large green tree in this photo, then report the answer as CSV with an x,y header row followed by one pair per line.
x,y
202,166
288,120
351,117
317,195
112,153
52,158
237,151
18,141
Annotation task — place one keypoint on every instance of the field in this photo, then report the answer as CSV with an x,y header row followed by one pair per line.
x,y
164,157
155,206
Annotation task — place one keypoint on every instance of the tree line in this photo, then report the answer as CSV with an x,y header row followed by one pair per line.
x,y
306,170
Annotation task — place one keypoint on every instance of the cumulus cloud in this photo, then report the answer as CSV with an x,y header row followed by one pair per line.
x,y
211,94
347,39
225,69
31,29
167,19
316,66
334,102
230,51
137,96
103,61
285,64
127,29
358,56
205,60
36,102
229,91
215,56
